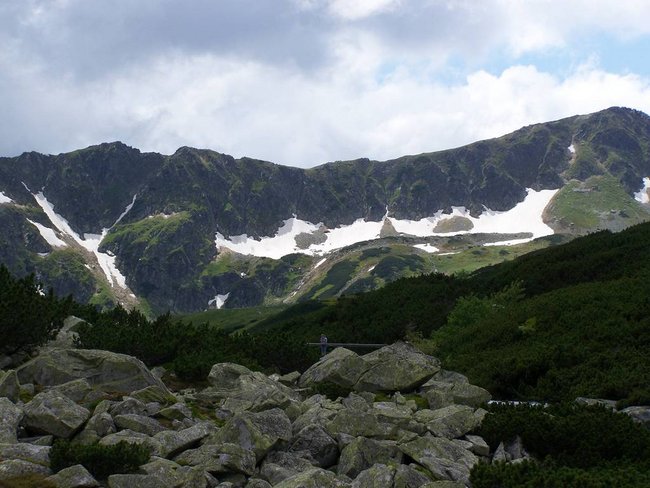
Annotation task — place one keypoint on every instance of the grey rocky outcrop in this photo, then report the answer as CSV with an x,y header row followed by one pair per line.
x,y
53,413
73,477
10,418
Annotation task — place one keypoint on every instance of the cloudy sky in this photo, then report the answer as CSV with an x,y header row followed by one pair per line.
x,y
302,82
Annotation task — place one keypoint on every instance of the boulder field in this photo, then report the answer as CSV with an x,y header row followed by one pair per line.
x,y
401,421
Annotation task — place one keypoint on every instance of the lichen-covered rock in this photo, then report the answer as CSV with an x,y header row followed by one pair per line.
x,y
278,466
75,390
322,447
377,476
451,422
138,423
442,394
319,415
341,366
132,437
314,478
104,370
479,446
53,413
445,459
356,423
154,393
362,453
172,442
127,406
9,385
26,452
177,411
257,432
135,481
13,468
220,458
239,389
398,367
10,418
74,477
409,477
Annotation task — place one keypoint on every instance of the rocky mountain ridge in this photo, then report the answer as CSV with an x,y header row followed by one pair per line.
x,y
151,221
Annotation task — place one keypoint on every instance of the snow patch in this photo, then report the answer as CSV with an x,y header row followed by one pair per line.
x,y
449,253
427,247
512,242
89,242
48,234
526,216
643,195
218,301
372,268
4,198
572,149
126,211
320,262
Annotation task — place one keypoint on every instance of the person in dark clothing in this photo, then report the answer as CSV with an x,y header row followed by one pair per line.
x,y
323,344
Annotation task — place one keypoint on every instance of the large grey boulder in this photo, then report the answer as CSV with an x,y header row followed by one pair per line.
x,y
398,367
9,385
409,477
75,390
257,432
639,414
73,477
13,468
389,476
314,478
341,366
10,418
445,459
132,437
442,394
451,422
172,442
362,453
104,370
320,445
278,466
138,423
135,481
26,452
237,389
319,415
220,458
358,423
52,413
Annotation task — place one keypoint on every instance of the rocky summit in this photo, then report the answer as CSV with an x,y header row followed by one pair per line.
x,y
197,229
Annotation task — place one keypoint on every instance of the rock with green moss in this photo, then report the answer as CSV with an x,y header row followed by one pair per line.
x,y
442,394
314,478
10,418
9,385
104,370
52,413
173,442
451,422
138,423
320,445
13,468
256,432
445,459
341,367
362,453
154,393
74,477
220,458
278,466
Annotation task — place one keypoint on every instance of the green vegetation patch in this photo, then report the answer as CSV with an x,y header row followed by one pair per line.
x,y
235,318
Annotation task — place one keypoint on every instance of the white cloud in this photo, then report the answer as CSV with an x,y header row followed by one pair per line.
x,y
298,82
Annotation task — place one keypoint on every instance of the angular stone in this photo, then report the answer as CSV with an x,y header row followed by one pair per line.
x,y
390,412
316,415
362,453
289,379
257,483
398,367
479,446
132,438
244,389
127,406
356,423
9,385
138,423
453,421
13,468
220,458
440,394
278,466
135,481
75,390
313,478
377,476
257,432
104,370
154,393
444,458
409,477
172,442
341,366
177,411
322,447
171,473
74,477
639,414
26,452
52,413
10,418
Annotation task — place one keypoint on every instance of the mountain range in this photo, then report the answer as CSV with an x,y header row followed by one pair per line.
x,y
198,228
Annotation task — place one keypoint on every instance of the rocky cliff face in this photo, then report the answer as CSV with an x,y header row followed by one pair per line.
x,y
161,213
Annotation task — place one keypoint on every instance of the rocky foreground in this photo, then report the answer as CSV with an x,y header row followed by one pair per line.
x,y
405,422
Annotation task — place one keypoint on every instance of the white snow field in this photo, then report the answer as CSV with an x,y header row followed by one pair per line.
x,y
643,195
48,234
218,301
572,149
427,247
4,198
526,216
90,242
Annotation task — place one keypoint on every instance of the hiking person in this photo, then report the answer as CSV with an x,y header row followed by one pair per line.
x,y
323,344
